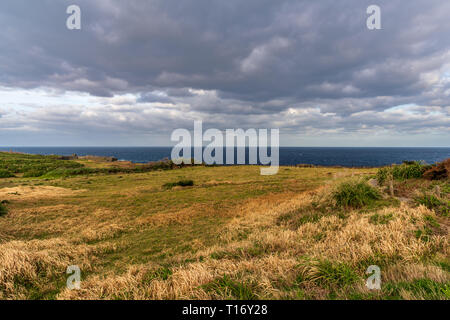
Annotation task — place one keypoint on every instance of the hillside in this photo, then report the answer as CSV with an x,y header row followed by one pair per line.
x,y
166,232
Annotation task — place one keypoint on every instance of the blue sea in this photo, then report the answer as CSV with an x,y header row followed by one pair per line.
x,y
347,157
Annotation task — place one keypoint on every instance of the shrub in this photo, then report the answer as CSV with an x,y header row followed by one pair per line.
x,y
407,170
355,194
181,183
5,174
3,210
159,165
383,174
438,171
63,172
33,173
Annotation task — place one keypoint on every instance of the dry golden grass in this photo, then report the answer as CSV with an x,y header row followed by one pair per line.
x,y
30,260
38,192
355,238
350,241
246,243
413,271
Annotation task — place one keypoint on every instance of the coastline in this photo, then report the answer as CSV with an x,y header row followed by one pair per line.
x,y
359,157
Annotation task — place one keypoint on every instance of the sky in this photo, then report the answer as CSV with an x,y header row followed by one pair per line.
x,y
137,70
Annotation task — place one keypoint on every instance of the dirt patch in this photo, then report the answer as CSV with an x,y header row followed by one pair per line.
x,y
41,192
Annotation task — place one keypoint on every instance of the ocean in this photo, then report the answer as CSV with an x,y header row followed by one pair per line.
x,y
348,157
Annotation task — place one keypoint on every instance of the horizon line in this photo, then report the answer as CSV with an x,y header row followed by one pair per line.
x,y
224,146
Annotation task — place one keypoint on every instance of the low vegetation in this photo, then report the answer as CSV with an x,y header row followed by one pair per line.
x,y
355,194
227,287
31,165
432,202
181,183
54,167
305,233
407,170
3,209
438,171
415,169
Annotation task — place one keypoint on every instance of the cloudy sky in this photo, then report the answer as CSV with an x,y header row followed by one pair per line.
x,y
139,69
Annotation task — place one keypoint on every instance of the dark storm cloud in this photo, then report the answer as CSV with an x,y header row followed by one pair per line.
x,y
252,57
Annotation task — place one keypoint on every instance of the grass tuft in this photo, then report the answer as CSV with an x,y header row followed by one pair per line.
x,y
5,174
419,289
355,194
328,274
228,287
407,170
432,202
380,218
181,183
162,274
3,209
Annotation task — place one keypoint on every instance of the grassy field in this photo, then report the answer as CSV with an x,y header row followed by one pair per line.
x,y
218,232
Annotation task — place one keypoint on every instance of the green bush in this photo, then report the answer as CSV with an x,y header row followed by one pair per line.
x,y
52,167
5,174
63,172
355,194
3,210
383,174
407,170
181,183
34,173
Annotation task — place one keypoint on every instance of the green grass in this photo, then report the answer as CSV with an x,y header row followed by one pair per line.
x,y
6,173
432,202
332,274
3,209
180,183
380,218
420,288
173,229
52,167
309,214
430,228
162,273
407,170
352,194
431,221
256,250
228,287
32,165
355,194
